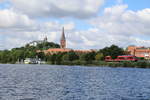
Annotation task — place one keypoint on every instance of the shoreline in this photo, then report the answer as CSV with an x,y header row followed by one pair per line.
x,y
126,64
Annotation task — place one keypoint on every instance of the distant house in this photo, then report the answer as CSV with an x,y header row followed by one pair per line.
x,y
35,43
139,51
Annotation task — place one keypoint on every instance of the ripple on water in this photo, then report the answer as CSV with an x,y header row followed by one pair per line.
x,y
45,82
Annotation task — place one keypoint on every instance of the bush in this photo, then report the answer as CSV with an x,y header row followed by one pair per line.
x,y
128,64
142,64
141,58
112,64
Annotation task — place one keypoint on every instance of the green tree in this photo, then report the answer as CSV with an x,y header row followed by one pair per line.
x,y
112,51
41,55
47,45
12,56
99,56
5,56
53,58
70,56
88,56
59,57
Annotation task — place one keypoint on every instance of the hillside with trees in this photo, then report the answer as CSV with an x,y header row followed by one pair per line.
x,y
15,54
69,58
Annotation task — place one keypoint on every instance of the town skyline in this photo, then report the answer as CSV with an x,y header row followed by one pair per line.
x,y
91,24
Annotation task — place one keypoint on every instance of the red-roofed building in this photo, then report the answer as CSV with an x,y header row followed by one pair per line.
x,y
56,50
139,51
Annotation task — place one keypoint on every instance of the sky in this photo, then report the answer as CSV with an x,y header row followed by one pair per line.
x,y
89,24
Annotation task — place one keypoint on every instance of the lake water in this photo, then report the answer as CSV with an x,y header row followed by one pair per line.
x,y
47,82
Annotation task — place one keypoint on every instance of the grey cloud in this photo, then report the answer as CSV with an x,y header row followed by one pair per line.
x,y
58,8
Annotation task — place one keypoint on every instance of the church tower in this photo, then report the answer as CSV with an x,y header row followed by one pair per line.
x,y
63,40
45,39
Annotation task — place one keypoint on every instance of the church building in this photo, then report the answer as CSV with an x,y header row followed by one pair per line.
x,y
63,47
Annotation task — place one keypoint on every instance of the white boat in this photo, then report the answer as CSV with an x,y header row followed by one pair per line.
x,y
31,61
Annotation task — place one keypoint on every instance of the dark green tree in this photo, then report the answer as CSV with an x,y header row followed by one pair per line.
x,y
70,56
41,55
88,56
112,51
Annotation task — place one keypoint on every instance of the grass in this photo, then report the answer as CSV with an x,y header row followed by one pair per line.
x,y
139,64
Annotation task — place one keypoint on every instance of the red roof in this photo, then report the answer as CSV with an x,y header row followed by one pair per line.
x,y
58,50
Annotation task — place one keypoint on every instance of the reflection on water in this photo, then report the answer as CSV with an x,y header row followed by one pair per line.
x,y
46,82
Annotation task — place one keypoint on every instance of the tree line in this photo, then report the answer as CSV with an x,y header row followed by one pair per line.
x,y
27,51
15,54
77,58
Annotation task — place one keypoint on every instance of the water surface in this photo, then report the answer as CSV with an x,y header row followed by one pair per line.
x,y
47,82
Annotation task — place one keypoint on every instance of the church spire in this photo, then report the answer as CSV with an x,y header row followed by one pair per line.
x,y
63,34
45,39
63,39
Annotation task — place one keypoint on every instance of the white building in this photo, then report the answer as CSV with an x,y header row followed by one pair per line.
x,y
35,43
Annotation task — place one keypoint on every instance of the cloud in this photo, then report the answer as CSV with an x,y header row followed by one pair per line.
x,y
123,27
119,20
12,20
58,8
55,25
1,1
52,30
116,25
119,1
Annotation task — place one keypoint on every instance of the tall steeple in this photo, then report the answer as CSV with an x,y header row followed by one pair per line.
x,y
63,39
45,39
